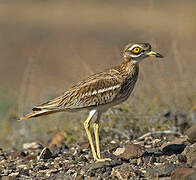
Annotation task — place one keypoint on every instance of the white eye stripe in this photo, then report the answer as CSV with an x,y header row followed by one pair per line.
x,y
133,46
134,55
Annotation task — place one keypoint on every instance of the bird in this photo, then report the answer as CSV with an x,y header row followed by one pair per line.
x,y
99,92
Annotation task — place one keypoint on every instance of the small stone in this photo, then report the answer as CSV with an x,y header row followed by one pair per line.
x,y
30,157
130,151
175,147
156,152
82,159
190,153
111,147
173,159
95,166
182,158
24,172
79,177
149,160
23,154
45,154
163,170
191,176
148,141
14,155
2,157
21,166
59,150
133,161
122,172
181,173
6,178
191,133
57,140
48,171
14,174
119,151
85,145
32,145
152,160
167,114
139,161
100,165
60,176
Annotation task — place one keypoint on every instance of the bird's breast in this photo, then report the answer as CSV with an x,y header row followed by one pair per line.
x,y
128,85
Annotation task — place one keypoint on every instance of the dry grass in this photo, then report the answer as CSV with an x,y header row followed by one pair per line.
x,y
46,46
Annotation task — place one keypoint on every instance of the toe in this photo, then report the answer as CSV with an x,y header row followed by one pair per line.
x,y
103,160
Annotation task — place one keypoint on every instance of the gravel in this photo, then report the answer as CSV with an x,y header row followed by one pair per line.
x,y
166,156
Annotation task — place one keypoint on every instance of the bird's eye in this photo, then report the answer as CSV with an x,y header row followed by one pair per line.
x,y
136,50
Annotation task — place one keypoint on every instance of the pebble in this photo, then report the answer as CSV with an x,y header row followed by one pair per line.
x,y
174,147
98,165
191,133
182,158
182,173
163,170
155,151
190,153
122,172
130,151
14,174
32,145
57,140
45,154
191,176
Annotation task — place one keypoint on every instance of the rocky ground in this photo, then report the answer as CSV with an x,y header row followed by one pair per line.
x,y
154,156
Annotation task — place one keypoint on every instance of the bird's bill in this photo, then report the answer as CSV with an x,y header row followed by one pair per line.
x,y
154,54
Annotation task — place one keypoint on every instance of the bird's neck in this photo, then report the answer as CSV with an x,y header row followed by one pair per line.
x,y
128,67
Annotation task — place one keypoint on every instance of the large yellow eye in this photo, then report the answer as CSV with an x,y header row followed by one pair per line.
x,y
136,50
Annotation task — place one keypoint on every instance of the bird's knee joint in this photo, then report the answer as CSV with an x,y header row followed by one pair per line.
x,y
95,125
86,125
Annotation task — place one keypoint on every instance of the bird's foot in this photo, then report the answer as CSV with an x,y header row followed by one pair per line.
x,y
102,159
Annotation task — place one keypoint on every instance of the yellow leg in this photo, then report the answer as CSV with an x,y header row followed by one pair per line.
x,y
96,133
87,128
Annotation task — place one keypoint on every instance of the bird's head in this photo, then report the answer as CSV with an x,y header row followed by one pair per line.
x,y
138,51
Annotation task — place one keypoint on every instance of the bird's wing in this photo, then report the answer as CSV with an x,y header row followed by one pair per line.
x,y
98,89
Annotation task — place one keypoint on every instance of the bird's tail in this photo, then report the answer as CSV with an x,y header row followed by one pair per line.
x,y
49,107
36,113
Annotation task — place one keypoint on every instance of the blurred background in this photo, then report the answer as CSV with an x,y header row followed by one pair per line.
x,y
46,46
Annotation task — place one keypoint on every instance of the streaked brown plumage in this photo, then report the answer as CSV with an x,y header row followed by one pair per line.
x,y
100,91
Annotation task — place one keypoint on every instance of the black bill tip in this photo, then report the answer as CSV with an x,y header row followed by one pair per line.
x,y
159,55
